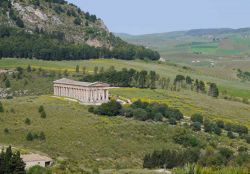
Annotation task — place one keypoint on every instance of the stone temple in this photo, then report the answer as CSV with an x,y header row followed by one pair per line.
x,y
85,92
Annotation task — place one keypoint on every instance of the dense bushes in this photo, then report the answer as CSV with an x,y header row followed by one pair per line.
x,y
51,46
170,158
111,108
218,126
208,157
139,110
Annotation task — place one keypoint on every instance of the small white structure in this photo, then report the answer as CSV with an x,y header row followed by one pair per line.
x,y
85,92
35,159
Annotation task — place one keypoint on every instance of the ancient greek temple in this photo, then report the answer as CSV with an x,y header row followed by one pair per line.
x,y
92,93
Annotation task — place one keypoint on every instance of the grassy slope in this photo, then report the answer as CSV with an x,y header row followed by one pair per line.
x,y
189,103
224,76
73,133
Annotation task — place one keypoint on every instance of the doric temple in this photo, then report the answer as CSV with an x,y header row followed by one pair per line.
x,y
85,92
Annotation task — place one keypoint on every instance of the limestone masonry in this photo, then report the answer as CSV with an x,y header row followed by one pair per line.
x,y
85,92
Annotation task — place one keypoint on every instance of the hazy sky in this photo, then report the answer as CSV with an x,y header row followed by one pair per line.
x,y
154,16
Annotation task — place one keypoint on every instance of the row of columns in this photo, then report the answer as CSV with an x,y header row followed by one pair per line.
x,y
88,95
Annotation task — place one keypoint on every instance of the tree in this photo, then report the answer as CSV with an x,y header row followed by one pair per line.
x,y
213,90
1,107
189,80
152,79
142,79
202,87
11,162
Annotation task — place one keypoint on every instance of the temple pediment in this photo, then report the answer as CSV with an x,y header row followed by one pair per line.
x,y
78,83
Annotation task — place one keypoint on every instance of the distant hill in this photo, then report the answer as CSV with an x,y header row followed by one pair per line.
x,y
60,26
202,42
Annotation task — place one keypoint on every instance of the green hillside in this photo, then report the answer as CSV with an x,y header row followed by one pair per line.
x,y
205,45
57,30
79,141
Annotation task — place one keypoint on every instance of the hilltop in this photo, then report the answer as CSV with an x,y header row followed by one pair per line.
x,y
46,28
203,44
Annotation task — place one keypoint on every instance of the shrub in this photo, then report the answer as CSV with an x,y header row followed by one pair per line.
x,y
112,108
172,121
42,136
127,112
41,109
27,121
77,21
230,135
208,126
158,117
220,124
140,114
29,137
6,131
186,139
242,149
38,170
247,138
225,152
196,126
43,114
7,83
197,118
91,109
217,130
